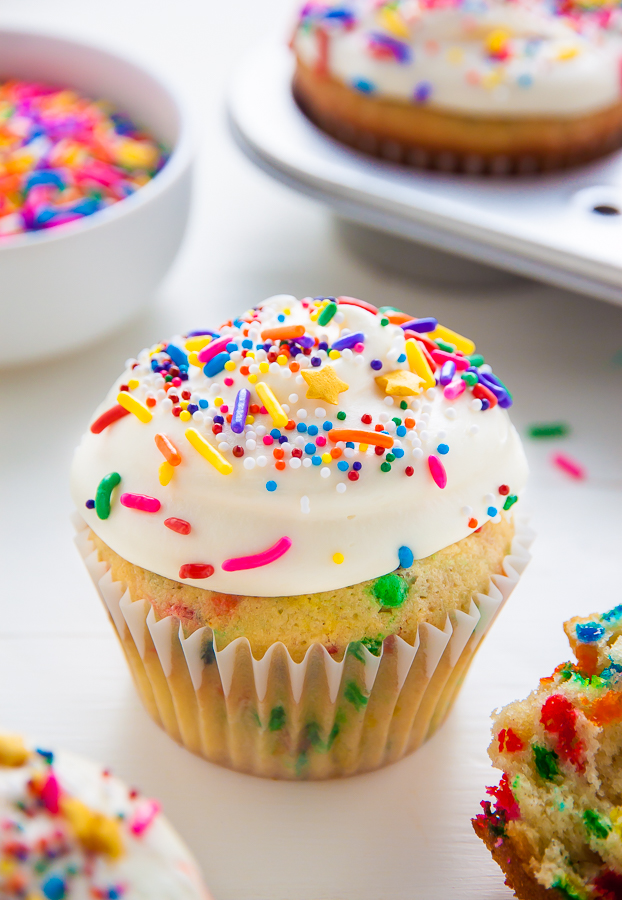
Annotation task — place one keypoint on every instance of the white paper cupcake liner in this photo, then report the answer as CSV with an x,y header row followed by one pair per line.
x,y
318,718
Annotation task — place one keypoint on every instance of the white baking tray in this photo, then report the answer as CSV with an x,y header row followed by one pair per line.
x,y
544,227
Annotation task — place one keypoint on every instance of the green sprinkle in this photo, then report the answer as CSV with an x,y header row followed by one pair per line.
x,y
596,824
388,309
277,718
327,313
470,378
384,321
374,645
355,649
355,695
476,359
103,494
510,501
567,672
390,457
385,467
548,429
565,889
341,415
391,590
332,736
443,345
397,420
546,762
313,735
403,404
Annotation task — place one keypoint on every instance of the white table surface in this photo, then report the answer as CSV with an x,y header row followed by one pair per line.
x,y
401,833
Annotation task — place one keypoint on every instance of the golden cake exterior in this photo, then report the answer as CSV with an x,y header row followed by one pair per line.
x,y
496,87
296,540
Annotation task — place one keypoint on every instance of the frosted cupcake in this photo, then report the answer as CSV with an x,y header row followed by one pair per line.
x,y
492,86
70,831
556,826
295,530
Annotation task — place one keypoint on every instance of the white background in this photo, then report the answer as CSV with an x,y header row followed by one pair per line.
x,y
401,833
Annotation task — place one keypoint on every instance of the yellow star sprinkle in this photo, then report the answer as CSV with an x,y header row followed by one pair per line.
x,y
324,385
400,383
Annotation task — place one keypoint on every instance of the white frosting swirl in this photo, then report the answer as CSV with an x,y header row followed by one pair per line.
x,y
154,863
344,526
477,57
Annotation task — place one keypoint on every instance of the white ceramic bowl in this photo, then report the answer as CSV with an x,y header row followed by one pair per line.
x,y
74,283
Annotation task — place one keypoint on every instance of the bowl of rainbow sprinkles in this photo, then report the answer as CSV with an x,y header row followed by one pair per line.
x,y
95,171
302,524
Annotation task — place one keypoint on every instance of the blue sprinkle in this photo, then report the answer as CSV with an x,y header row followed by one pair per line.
x,y
363,85
401,431
281,317
283,439
47,755
54,887
342,465
248,345
376,364
275,433
350,444
485,404
612,614
406,557
492,511
177,355
271,485
310,449
219,420
443,449
327,426
316,460
323,345
401,358
357,466
312,429
301,427
611,671
192,408
589,632
397,452
524,80
90,504
203,403
422,92
216,364
232,347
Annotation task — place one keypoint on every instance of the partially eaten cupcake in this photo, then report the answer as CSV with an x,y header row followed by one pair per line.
x,y
493,87
70,831
555,823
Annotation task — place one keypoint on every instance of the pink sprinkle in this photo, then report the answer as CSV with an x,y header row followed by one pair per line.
x,y
50,794
176,382
437,470
358,348
569,466
141,502
224,408
441,356
212,349
455,389
268,439
263,411
228,381
144,816
320,441
258,559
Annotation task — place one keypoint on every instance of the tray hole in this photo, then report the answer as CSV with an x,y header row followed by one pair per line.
x,y
606,209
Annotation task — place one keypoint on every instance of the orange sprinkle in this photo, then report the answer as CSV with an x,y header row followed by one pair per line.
x,y
150,401
278,453
244,370
606,709
409,423
399,318
360,437
587,658
294,366
279,464
379,427
286,333
472,523
335,452
168,449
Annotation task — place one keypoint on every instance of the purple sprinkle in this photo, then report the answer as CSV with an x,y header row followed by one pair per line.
x,y
316,361
420,325
422,92
493,385
357,466
90,504
306,341
323,345
448,370
349,341
376,364
240,411
201,333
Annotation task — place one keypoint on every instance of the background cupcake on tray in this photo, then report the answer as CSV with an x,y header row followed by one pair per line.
x,y
302,526
493,86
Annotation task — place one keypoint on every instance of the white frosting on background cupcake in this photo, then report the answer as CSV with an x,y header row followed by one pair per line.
x,y
288,506
71,831
476,57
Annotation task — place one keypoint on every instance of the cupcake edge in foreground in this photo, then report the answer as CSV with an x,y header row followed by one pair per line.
x,y
554,825
492,87
72,830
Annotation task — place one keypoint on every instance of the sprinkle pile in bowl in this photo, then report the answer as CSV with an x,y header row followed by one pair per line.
x,y
64,156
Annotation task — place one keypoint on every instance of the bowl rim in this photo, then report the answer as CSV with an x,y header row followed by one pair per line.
x,y
176,165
